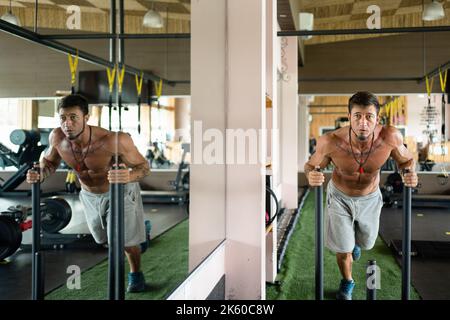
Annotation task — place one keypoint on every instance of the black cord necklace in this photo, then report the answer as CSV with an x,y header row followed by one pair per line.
x,y
360,169
80,163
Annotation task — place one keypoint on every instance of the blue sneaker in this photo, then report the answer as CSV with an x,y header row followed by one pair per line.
x,y
345,290
146,243
356,253
136,282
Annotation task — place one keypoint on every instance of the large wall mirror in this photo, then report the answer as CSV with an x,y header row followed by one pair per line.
x,y
34,79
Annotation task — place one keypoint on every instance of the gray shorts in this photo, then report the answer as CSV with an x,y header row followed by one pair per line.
x,y
351,220
97,213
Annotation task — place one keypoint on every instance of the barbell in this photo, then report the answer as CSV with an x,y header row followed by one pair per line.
x,y
55,216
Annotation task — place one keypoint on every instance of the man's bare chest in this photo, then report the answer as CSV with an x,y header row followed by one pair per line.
x,y
351,160
92,158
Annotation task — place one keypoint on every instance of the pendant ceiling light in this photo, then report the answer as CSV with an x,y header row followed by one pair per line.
x,y
153,19
433,11
10,17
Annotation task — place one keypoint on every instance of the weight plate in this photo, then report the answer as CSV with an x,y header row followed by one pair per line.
x,y
10,237
55,214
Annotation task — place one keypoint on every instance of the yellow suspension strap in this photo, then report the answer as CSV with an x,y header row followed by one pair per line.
x,y
111,77
391,112
388,113
120,76
443,82
383,114
429,85
396,110
403,114
139,90
158,90
71,178
73,64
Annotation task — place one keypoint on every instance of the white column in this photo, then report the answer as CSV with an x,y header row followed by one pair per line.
x,y
228,200
289,123
207,180
272,129
245,191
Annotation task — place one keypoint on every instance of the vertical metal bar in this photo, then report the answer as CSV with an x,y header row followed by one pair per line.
x,y
35,16
112,47
121,32
120,237
371,280
112,30
119,106
406,243
120,245
443,119
111,226
139,114
111,242
121,59
117,237
110,110
37,258
319,243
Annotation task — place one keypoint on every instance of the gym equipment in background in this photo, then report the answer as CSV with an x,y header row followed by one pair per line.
x,y
55,215
30,149
180,194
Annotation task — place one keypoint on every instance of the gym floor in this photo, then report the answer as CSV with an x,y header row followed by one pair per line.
x,y
15,272
429,275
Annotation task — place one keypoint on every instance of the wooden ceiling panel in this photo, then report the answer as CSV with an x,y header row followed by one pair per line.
x,y
102,4
361,6
311,4
329,20
352,14
285,18
409,10
174,6
134,5
81,3
331,11
6,2
410,3
328,14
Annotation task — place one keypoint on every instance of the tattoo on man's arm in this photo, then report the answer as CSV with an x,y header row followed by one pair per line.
x,y
139,171
48,169
409,164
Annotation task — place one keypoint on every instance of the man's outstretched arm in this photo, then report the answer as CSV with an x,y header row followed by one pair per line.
x,y
137,165
49,163
403,157
318,159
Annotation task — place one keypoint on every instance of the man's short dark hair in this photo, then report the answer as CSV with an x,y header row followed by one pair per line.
x,y
74,100
363,99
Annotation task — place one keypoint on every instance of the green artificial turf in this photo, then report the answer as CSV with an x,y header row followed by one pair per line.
x,y
164,264
297,273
